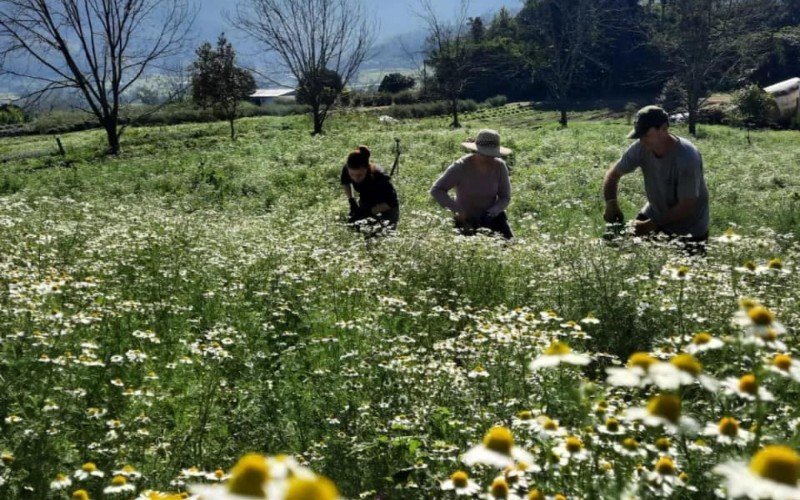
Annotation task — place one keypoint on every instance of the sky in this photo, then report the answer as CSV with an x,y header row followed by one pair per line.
x,y
395,17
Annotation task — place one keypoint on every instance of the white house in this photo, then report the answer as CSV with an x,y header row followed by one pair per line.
x,y
787,95
268,96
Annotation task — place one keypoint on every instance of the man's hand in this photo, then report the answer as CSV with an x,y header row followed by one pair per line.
x,y
643,227
612,214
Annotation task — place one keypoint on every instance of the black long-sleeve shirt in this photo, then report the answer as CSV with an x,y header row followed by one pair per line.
x,y
376,188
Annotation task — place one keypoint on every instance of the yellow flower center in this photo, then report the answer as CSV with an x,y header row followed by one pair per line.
x,y
729,232
550,424
750,265
535,495
7,458
761,316
525,415
663,443
573,444
559,496
682,272
782,362
319,488
219,473
641,360
748,384
249,475
775,264
666,406
128,469
665,466
499,439
89,467
630,444
80,495
557,349
460,479
500,487
702,338
687,363
119,481
728,426
684,477
612,424
778,463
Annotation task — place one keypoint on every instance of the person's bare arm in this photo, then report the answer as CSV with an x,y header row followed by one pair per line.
x,y
612,211
682,210
348,190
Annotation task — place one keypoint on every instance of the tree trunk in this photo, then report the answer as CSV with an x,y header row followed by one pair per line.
x,y
454,106
233,130
691,105
112,136
563,120
317,121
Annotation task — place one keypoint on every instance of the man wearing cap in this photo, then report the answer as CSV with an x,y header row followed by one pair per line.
x,y
677,197
482,186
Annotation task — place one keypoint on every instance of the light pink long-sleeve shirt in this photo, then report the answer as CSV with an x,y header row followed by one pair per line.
x,y
478,190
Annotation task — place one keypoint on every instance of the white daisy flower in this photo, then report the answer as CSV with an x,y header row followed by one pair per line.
x,y
774,472
631,448
497,450
639,363
663,410
784,365
500,489
461,484
570,449
746,387
728,431
612,427
119,486
87,470
558,353
758,321
62,481
729,237
703,341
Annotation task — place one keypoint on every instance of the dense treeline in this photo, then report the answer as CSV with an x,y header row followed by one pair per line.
x,y
565,50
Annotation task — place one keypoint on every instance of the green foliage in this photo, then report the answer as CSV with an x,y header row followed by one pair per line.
x,y
673,96
754,107
497,101
319,88
396,82
11,114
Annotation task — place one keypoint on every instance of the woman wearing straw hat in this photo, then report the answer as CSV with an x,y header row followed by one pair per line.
x,y
482,187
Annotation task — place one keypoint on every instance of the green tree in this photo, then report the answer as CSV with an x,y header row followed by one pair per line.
x,y
217,82
396,82
320,89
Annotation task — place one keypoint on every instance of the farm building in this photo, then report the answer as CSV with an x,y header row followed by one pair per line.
x,y
787,96
268,96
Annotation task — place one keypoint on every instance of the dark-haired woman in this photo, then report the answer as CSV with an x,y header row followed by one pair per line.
x,y
377,197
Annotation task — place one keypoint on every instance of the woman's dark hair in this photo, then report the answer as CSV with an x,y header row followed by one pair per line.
x,y
359,159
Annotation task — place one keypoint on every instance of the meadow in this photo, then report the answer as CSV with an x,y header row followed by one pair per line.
x,y
165,312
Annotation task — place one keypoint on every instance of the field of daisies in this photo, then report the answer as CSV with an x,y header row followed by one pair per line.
x,y
193,320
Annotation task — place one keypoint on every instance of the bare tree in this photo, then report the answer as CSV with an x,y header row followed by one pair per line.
x,y
560,35
313,39
708,42
97,47
448,53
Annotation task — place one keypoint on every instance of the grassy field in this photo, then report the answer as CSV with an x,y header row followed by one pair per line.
x,y
195,299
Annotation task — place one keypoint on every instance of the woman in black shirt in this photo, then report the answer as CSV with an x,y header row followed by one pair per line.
x,y
377,197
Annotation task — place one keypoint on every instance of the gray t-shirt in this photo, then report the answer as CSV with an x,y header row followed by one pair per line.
x,y
675,176
477,190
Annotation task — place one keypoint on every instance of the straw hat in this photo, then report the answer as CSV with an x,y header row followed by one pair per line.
x,y
487,143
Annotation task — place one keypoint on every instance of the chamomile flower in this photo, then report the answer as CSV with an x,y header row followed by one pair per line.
x,y
663,410
547,427
727,431
747,387
639,363
571,448
729,237
786,366
683,369
316,488
703,341
559,353
249,479
612,427
128,472
665,473
119,486
758,321
61,482
497,450
499,489
774,472
631,448
461,484
80,495
88,470
679,273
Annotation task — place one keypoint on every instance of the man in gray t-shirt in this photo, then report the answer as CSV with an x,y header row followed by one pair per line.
x,y
677,197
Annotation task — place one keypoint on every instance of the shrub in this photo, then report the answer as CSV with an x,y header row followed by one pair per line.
x,y
673,96
10,114
497,101
396,82
407,97
754,107
434,108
